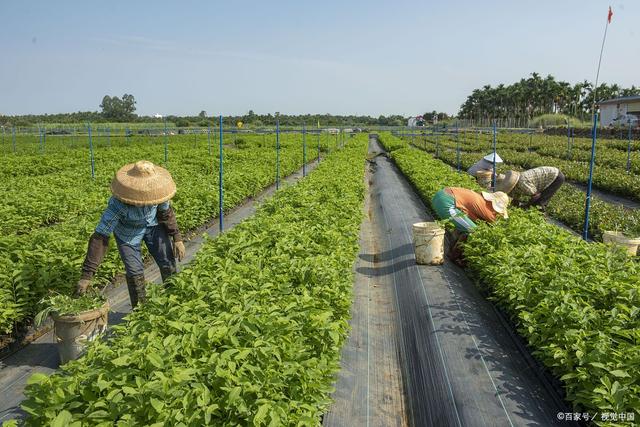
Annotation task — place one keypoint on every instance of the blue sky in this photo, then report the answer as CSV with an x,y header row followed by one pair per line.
x,y
357,57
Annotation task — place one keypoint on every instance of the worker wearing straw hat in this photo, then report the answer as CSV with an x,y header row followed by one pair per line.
x,y
485,163
539,184
463,207
138,211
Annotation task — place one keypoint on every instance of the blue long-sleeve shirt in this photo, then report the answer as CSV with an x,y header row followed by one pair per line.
x,y
127,222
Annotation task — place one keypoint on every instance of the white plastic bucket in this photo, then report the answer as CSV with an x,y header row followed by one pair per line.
x,y
72,333
619,239
428,243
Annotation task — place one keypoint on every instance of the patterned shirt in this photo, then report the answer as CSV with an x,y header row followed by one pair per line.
x,y
127,222
536,180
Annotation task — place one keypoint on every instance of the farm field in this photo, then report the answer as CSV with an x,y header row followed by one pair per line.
x,y
252,330
254,326
568,205
575,303
51,204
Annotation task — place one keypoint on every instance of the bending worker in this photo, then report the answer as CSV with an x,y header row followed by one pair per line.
x,y
463,207
485,163
137,211
539,184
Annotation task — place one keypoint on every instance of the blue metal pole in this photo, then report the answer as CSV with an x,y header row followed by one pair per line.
x,y
318,142
277,154
587,206
573,134
629,149
493,174
568,140
93,165
304,151
457,147
166,142
221,178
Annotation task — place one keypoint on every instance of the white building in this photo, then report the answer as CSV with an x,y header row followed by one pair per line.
x,y
618,108
415,121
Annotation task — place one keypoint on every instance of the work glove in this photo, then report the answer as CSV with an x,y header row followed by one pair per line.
x,y
179,250
82,286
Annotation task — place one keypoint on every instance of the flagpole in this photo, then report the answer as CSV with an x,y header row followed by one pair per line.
x,y
594,131
595,88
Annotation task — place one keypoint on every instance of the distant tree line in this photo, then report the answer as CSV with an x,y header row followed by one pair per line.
x,y
122,110
535,96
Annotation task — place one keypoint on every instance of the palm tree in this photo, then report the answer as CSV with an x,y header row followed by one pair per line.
x,y
534,95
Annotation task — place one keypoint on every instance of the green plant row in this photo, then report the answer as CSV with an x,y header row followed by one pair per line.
x,y
46,220
576,304
248,334
523,141
567,206
55,145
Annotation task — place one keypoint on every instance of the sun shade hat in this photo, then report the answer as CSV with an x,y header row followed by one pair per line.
x,y
143,184
508,181
489,158
499,202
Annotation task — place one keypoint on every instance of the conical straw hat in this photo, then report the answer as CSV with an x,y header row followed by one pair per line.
x,y
489,158
143,184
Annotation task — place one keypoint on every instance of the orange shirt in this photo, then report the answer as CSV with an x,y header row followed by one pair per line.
x,y
473,204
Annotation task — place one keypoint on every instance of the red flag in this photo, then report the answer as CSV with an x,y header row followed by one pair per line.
x,y
610,15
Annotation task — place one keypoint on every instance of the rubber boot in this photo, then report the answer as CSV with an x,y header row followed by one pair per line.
x,y
137,290
166,272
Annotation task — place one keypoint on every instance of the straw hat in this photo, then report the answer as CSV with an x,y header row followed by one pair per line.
x,y
508,181
143,184
499,202
489,158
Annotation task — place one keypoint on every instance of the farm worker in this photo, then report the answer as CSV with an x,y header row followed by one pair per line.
x,y
137,211
485,163
463,207
539,184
